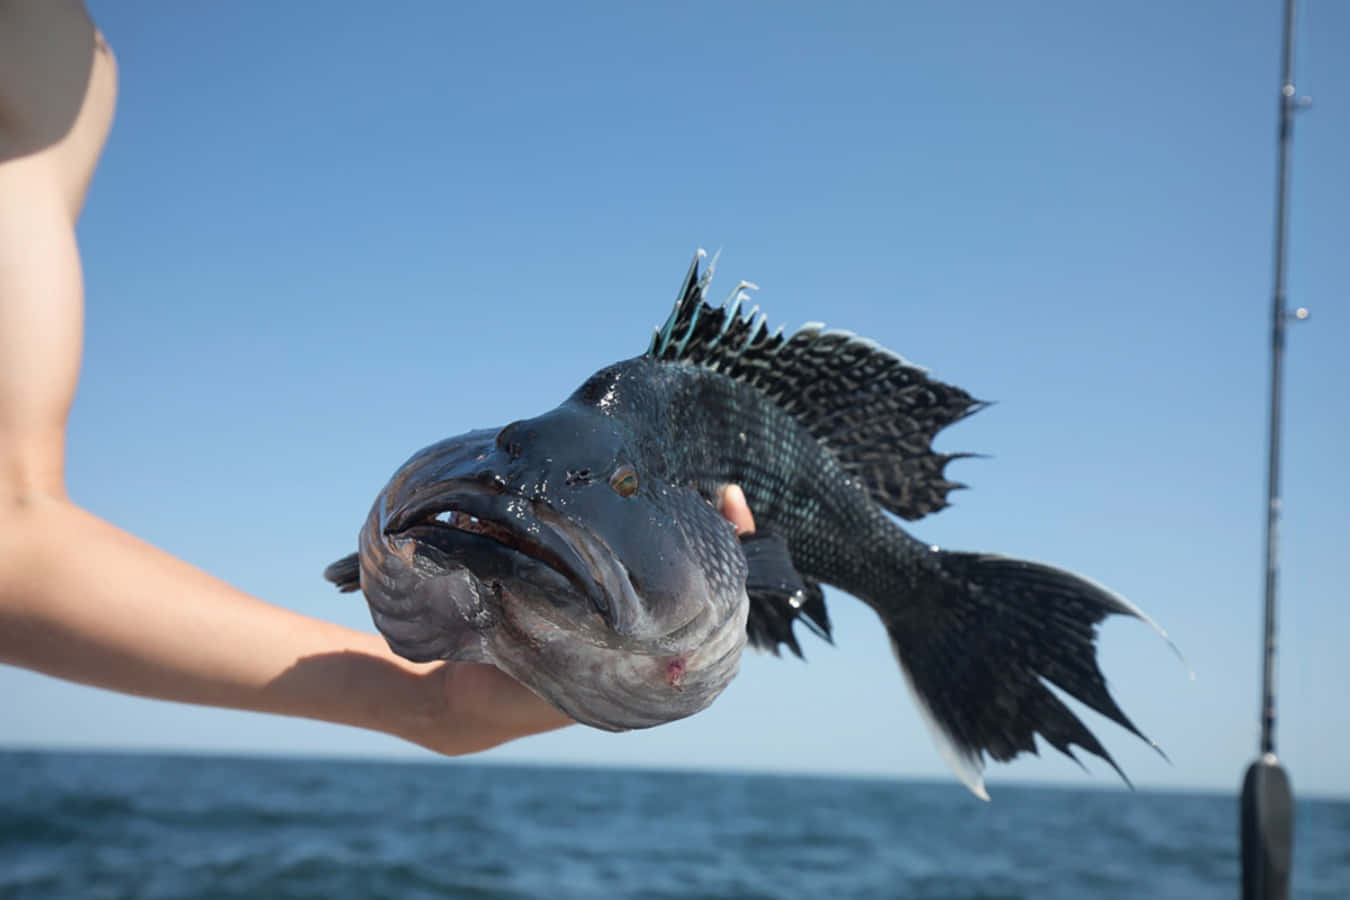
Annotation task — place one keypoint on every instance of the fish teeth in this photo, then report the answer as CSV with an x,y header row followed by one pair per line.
x,y
458,519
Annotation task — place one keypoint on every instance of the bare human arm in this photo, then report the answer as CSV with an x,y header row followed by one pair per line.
x,y
122,614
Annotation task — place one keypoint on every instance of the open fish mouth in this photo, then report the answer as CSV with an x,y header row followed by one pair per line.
x,y
459,520
498,536
463,568
447,531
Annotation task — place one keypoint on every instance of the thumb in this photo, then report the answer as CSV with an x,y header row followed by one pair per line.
x,y
731,504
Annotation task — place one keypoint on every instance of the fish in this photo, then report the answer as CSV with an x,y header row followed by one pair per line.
x,y
580,551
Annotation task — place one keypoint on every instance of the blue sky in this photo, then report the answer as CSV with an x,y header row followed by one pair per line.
x,y
317,243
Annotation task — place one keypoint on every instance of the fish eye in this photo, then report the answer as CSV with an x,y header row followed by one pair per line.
x,y
624,480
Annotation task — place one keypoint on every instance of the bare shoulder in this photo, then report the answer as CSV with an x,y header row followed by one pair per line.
x,y
57,86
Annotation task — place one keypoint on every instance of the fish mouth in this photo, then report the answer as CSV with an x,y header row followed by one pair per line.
x,y
491,532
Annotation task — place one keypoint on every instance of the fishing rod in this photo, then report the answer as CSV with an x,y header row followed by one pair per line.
x,y
1267,823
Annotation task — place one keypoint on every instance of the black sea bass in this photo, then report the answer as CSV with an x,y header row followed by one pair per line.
x,y
580,552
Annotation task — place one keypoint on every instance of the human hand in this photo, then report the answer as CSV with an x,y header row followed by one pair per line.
x,y
731,504
130,617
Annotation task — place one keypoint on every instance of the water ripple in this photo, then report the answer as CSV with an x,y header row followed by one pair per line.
x,y
110,826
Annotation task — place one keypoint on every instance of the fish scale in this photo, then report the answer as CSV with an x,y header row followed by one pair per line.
x,y
794,488
839,430
614,589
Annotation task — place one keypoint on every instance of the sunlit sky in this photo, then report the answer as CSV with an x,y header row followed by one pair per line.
x,y
317,243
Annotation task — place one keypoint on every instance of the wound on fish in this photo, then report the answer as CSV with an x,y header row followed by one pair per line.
x,y
675,672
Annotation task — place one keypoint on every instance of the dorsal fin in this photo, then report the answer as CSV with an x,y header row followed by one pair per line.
x,y
874,411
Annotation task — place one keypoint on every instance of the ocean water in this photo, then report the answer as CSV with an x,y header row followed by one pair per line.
x,y
111,826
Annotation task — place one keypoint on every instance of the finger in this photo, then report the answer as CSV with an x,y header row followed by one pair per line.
x,y
731,504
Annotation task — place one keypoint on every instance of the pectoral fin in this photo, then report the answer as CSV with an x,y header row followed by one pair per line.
x,y
779,595
345,573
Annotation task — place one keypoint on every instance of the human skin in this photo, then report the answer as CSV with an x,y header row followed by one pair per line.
x,y
122,614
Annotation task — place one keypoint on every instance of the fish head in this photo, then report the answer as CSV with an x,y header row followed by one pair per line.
x,y
555,549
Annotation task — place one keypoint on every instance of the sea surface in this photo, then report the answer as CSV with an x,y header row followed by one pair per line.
x,y
142,825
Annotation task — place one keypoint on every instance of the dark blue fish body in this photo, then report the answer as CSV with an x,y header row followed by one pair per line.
x,y
580,551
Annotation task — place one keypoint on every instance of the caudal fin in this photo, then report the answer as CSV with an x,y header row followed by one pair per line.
x,y
980,640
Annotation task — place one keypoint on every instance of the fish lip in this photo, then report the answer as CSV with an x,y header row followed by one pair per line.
x,y
531,528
